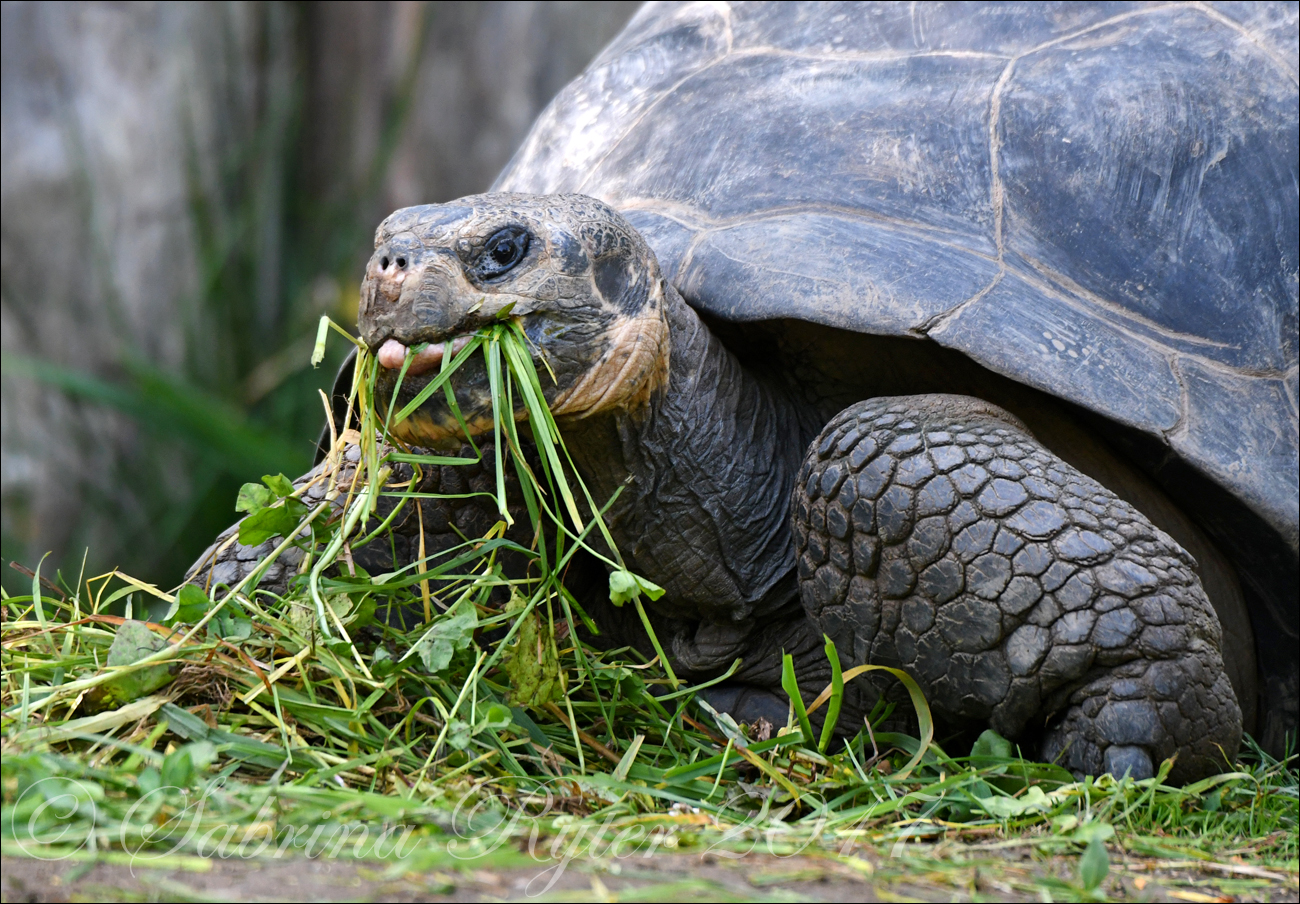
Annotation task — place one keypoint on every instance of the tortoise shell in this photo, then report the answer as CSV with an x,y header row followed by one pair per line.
x,y
1097,200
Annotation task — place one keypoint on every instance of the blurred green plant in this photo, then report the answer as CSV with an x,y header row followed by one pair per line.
x,y
273,254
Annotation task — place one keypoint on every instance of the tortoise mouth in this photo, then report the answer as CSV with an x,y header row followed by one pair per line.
x,y
392,354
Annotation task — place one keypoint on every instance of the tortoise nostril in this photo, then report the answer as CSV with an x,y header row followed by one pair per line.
x,y
383,263
401,263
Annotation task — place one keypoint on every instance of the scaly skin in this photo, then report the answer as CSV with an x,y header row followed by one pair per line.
x,y
935,534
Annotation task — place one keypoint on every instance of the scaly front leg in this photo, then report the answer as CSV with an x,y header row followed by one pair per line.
x,y
935,534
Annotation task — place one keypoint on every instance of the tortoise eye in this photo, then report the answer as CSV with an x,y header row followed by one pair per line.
x,y
503,251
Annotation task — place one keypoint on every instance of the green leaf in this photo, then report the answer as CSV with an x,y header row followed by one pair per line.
x,y
624,586
364,614
449,633
487,717
382,663
624,681
531,663
275,521
230,626
459,733
338,646
202,754
1094,830
191,605
649,588
1032,801
150,780
492,716
992,744
1094,864
178,768
264,524
134,641
253,498
278,484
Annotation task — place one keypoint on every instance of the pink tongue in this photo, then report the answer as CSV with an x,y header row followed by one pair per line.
x,y
393,353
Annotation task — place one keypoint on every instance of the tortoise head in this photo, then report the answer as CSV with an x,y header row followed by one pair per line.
x,y
585,286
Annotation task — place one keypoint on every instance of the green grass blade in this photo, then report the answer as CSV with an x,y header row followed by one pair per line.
x,y
837,696
501,410
439,381
790,684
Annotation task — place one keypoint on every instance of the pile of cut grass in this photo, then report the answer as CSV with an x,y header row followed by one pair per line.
x,y
243,722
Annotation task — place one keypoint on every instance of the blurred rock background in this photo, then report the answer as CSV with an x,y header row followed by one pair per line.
x,y
186,188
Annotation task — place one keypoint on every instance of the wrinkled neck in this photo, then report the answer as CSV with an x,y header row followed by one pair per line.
x,y
707,466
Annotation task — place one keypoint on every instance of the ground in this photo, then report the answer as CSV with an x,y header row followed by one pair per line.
x,y
989,871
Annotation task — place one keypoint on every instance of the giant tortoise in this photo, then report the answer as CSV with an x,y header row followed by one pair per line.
x,y
963,335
